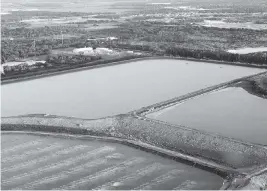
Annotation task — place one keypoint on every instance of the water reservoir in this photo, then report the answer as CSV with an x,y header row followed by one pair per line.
x,y
116,89
231,112
38,162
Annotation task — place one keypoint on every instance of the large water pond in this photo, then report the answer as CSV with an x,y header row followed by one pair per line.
x,y
230,112
31,162
114,90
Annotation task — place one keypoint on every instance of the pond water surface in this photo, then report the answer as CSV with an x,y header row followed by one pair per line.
x,y
230,112
31,162
116,89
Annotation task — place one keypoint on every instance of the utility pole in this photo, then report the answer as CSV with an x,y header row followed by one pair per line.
x,y
34,46
61,38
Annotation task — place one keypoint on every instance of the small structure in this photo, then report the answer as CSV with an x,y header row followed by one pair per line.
x,y
104,38
2,69
89,51
8,66
84,51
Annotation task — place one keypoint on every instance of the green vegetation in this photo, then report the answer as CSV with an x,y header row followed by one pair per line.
x,y
70,59
39,69
255,58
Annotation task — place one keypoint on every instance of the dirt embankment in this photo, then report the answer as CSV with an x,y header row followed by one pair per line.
x,y
256,85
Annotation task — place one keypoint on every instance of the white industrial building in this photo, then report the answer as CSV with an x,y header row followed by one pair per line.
x,y
89,51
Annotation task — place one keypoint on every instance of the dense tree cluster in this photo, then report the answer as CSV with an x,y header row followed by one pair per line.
x,y
52,61
46,31
132,46
40,68
255,58
70,59
18,49
16,69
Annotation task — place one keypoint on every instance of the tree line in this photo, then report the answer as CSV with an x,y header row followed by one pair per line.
x,y
252,58
63,59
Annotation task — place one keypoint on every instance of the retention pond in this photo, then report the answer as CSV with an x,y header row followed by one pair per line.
x,y
32,162
116,89
231,112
